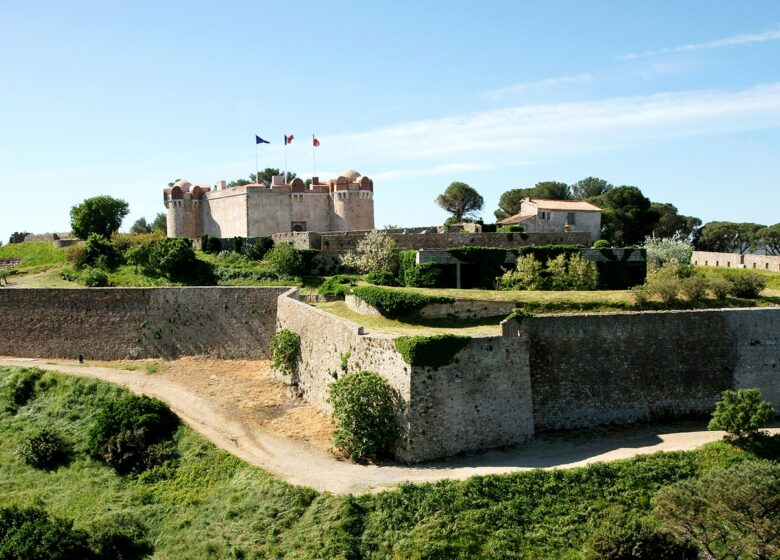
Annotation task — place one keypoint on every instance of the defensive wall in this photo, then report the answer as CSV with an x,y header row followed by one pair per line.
x,y
735,260
119,323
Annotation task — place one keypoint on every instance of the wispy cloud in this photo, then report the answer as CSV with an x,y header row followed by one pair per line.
x,y
448,169
716,44
514,89
533,133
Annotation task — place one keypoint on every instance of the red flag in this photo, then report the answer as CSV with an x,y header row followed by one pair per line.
x,y
289,139
315,141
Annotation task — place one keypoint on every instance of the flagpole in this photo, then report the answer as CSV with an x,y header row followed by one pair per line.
x,y
314,153
284,178
257,170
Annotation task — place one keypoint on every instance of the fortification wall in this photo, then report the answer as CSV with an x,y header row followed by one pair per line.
x,y
623,367
119,323
735,260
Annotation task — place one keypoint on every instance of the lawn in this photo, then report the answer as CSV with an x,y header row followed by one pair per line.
x,y
212,505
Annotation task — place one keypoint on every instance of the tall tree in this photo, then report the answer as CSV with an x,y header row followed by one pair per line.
x,y
264,178
728,237
627,217
462,201
672,224
509,202
588,188
140,226
100,214
160,222
768,239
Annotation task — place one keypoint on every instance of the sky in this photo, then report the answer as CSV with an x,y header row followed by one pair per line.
x,y
681,99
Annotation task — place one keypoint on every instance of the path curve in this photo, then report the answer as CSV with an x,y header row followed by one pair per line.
x,y
302,464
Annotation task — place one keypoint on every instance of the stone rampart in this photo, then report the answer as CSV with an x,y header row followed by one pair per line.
x,y
119,323
462,308
735,260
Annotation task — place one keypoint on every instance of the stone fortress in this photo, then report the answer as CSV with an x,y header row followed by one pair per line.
x,y
344,203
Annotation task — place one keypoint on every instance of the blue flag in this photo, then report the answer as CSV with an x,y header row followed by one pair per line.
x,y
259,140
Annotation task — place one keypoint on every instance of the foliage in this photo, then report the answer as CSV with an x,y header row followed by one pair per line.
x,y
568,270
510,229
664,283
518,315
258,250
627,216
21,388
396,303
5,272
588,188
673,225
768,238
720,287
375,251
338,285
140,226
237,245
123,242
625,535
581,274
18,237
527,275
741,413
99,252
662,250
430,351
489,262
264,178
44,449
364,406
285,352
210,245
728,237
543,253
425,275
33,254
695,287
729,513
307,260
172,257
101,215
747,284
602,244
460,200
285,260
126,430
120,537
30,534
382,278
160,223
510,201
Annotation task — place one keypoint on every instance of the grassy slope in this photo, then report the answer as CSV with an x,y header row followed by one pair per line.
x,y
33,254
215,506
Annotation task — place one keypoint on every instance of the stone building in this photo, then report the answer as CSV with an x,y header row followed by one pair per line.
x,y
344,203
552,216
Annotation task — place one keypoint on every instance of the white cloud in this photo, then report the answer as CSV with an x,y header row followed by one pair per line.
x,y
501,93
532,133
718,43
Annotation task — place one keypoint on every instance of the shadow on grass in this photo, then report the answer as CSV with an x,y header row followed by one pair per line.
x,y
761,445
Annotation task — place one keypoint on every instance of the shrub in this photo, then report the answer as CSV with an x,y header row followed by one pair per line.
x,y
557,275
425,275
720,287
662,250
30,534
430,351
101,215
237,245
664,282
527,275
285,351
364,406
93,278
307,260
76,255
126,428
285,260
120,537
338,286
100,252
582,274
602,244
544,253
126,241
741,413
173,257
382,278
747,284
396,303
22,387
624,535
44,449
375,251
257,250
695,287
213,245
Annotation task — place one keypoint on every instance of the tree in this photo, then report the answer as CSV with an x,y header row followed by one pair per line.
x,y
140,226
729,513
768,238
672,224
588,188
264,178
160,222
375,252
627,216
460,200
741,413
509,202
728,237
101,214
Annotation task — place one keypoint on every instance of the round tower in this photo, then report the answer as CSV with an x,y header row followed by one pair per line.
x,y
353,202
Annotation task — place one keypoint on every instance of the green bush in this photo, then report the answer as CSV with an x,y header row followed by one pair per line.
x,y
581,274
509,229
602,244
396,303
77,255
93,278
338,286
364,407
225,274
30,534
544,253
662,250
173,257
125,429
237,245
285,351
430,351
426,275
258,250
307,261
44,449
22,387
382,278
527,275
100,252
741,413
747,284
720,287
695,287
489,262
285,260
120,537
624,535
211,245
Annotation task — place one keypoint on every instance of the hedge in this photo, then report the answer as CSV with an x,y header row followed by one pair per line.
x,y
543,253
395,303
426,275
489,262
430,351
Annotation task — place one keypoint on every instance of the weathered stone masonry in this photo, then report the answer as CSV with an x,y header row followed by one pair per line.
x,y
118,323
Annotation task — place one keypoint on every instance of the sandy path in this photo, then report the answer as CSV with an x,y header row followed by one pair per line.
x,y
309,464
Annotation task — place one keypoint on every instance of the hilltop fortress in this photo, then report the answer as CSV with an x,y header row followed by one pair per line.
x,y
344,203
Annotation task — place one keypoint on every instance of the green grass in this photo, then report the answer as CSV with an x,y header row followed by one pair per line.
x,y
215,506
33,254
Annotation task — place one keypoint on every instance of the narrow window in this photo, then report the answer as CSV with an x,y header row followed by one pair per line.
x,y
570,219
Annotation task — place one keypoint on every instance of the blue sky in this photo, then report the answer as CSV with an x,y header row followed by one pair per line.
x,y
681,99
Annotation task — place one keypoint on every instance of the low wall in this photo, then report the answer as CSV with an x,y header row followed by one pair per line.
x,y
462,309
735,260
119,323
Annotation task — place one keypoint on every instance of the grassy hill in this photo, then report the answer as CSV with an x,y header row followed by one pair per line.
x,y
212,505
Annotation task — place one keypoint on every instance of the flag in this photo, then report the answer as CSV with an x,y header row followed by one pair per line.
x,y
259,140
288,139
315,141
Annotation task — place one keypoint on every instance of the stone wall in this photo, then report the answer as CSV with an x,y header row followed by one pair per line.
x,y
735,260
462,308
118,323
624,367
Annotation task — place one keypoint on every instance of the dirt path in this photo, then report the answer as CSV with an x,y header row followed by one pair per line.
x,y
301,458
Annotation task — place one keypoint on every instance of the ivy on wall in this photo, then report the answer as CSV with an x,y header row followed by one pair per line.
x,y
430,351
396,303
285,351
